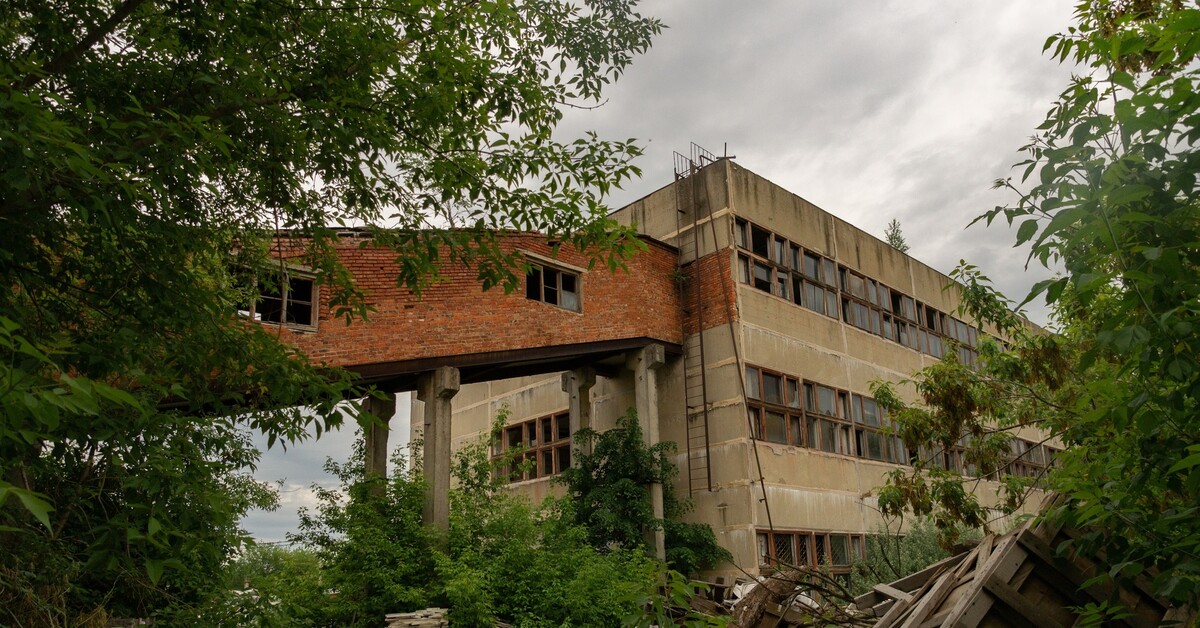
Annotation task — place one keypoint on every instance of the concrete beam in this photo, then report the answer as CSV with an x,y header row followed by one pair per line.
x,y
645,363
578,386
436,389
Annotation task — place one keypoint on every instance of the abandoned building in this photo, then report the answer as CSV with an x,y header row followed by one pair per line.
x,y
748,332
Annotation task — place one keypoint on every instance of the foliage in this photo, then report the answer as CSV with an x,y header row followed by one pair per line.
x,y
150,151
503,558
611,498
266,586
894,237
892,555
1108,194
373,550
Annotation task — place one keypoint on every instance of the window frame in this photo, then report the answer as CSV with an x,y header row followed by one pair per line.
x,y
534,446
253,310
541,268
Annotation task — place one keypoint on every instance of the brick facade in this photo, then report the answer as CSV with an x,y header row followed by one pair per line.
x,y
456,317
715,308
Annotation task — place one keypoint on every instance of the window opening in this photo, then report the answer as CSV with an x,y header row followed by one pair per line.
x,y
288,299
539,447
553,286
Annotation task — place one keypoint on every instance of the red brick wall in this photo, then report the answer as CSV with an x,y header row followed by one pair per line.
x,y
715,277
456,317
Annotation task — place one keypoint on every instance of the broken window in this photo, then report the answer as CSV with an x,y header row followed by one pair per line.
x,y
288,298
553,286
537,448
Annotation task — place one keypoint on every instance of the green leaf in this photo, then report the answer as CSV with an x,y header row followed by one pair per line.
x,y
1026,231
34,503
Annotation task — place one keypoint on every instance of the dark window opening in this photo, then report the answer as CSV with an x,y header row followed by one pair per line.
x,y
553,286
287,299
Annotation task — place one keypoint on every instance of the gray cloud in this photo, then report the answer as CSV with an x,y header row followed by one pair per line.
x,y
872,111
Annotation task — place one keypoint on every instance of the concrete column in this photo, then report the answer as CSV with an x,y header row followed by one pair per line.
x,y
376,434
644,363
436,389
578,386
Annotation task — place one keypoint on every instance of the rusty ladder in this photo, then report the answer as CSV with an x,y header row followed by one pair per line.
x,y
688,205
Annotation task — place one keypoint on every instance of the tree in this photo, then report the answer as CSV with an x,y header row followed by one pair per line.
x,y
151,149
610,498
532,566
894,237
1112,200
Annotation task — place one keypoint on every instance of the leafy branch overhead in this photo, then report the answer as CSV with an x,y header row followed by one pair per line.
x,y
152,150
1108,196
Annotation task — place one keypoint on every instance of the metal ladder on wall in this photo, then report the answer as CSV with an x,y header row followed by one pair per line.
x,y
695,381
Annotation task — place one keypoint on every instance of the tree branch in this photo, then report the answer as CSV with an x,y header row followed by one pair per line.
x,y
68,57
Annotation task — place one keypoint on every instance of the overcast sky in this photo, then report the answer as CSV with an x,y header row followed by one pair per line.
x,y
870,110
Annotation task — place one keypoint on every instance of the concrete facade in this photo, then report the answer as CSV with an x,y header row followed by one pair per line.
x,y
818,500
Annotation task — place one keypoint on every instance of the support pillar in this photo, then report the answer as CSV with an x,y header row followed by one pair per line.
x,y
645,363
376,435
578,386
436,389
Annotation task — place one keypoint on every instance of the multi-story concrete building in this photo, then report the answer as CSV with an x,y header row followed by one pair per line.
x,y
749,334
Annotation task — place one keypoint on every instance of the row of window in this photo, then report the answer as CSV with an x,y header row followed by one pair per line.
x,y
777,266
292,298
786,409
1028,459
821,550
538,448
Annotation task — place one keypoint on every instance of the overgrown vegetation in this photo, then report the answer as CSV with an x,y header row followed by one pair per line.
x,y
892,555
150,151
609,497
1108,194
364,553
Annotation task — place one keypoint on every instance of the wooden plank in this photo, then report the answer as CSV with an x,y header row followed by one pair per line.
x,y
1024,613
1004,560
899,610
929,602
893,592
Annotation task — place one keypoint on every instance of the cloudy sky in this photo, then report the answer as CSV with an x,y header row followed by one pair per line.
x,y
872,110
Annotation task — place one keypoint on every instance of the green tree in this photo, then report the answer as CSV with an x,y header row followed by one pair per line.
x,y
151,150
610,498
504,558
894,237
1108,194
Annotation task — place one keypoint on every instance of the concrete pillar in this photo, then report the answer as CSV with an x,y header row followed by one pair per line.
x,y
436,389
644,363
578,386
376,434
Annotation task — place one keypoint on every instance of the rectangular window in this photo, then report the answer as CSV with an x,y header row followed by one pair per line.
x,y
752,383
536,448
762,277
772,389
760,241
289,298
553,286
